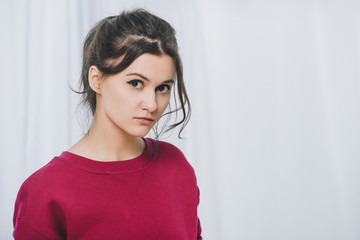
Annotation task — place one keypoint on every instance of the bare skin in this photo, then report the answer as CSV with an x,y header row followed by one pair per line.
x,y
129,103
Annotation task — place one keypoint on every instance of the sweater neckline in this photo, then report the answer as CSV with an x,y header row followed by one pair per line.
x,y
130,165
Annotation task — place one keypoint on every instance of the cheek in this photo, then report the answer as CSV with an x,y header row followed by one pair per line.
x,y
163,103
116,100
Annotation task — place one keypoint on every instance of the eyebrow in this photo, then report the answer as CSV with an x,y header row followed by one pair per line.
x,y
145,78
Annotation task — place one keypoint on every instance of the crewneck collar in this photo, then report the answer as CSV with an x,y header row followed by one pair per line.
x,y
131,165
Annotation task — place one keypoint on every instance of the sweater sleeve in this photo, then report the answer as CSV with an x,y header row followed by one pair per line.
x,y
28,218
199,237
23,231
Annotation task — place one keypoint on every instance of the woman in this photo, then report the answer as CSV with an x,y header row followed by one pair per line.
x,y
114,183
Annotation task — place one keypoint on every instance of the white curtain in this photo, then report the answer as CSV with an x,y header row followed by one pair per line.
x,y
275,88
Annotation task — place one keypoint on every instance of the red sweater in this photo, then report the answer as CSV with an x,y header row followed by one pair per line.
x,y
153,196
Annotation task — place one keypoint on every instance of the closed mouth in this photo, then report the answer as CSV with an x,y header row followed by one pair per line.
x,y
145,118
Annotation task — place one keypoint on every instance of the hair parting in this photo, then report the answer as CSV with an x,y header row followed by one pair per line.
x,y
116,41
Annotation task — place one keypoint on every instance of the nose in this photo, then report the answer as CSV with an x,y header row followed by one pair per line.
x,y
149,101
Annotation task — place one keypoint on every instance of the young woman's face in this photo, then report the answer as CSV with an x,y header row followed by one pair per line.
x,y
134,99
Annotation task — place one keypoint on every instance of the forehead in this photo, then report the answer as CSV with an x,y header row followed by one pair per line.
x,y
153,67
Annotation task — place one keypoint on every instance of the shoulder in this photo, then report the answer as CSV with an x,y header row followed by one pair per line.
x,y
46,179
170,155
39,177
172,165
34,185
45,184
168,150
52,170
34,206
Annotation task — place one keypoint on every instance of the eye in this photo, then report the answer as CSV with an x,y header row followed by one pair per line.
x,y
163,88
136,83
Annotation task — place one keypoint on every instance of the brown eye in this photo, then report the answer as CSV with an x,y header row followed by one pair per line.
x,y
163,88
135,83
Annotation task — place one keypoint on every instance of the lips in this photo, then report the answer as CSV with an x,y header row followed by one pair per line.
x,y
144,120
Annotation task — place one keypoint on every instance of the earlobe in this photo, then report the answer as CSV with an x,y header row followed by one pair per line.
x,y
95,79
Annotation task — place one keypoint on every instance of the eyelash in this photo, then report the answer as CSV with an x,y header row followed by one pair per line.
x,y
133,82
164,85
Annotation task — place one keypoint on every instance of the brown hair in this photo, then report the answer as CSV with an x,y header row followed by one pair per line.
x,y
126,37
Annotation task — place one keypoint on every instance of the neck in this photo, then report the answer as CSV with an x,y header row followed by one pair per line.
x,y
105,141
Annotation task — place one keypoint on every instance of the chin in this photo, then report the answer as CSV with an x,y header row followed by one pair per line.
x,y
140,133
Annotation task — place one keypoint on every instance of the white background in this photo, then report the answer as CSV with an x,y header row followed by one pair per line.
x,y
275,88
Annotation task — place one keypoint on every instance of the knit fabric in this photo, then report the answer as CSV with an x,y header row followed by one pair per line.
x,y
153,196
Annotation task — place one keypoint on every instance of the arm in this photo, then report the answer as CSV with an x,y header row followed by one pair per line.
x,y
23,231
33,217
199,237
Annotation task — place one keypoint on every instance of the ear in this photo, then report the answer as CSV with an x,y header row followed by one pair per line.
x,y
95,79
